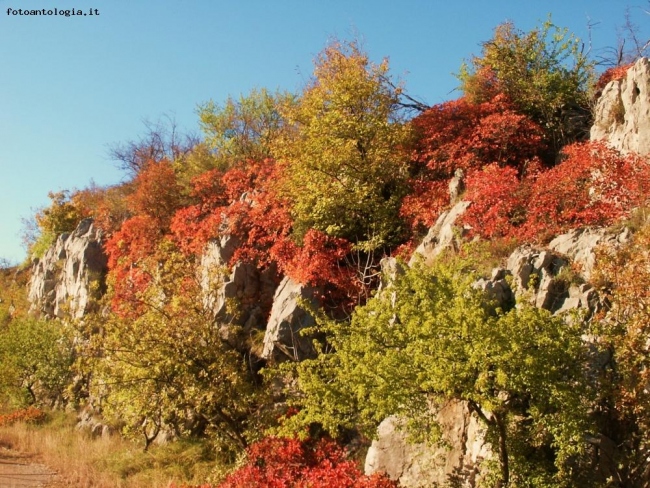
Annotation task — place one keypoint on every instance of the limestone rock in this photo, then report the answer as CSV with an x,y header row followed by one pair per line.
x,y
580,245
418,465
241,295
69,277
282,339
498,288
622,114
442,235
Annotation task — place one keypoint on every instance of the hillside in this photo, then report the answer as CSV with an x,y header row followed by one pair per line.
x,y
455,293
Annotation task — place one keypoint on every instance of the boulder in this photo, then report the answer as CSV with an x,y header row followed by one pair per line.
x,y
444,234
622,113
456,461
69,278
283,339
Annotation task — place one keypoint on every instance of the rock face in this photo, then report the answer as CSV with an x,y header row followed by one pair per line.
x,y
68,279
240,295
580,244
418,465
622,114
282,339
444,234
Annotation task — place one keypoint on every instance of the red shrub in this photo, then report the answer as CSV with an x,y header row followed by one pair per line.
x,y
28,415
463,135
279,463
499,202
460,134
594,185
614,73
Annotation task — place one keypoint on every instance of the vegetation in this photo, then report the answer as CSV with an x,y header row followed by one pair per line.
x,y
321,186
432,338
543,72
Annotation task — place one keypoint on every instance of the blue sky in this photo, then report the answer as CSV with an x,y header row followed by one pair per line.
x,y
72,86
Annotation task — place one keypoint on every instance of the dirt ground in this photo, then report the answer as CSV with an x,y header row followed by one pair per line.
x,y
24,471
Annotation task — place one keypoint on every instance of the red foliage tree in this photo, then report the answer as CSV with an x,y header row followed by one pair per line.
x,y
463,135
127,249
499,202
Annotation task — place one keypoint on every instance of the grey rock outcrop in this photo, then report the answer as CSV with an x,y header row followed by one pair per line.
x,y
455,462
239,297
580,246
444,234
283,339
69,278
498,288
622,114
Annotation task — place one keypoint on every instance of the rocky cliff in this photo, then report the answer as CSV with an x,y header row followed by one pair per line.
x,y
69,277
245,301
622,113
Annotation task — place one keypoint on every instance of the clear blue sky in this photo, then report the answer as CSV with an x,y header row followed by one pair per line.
x,y
71,86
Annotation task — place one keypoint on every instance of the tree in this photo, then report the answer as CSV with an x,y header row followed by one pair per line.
x,y
625,330
543,72
344,168
61,216
36,358
243,129
165,367
161,141
432,337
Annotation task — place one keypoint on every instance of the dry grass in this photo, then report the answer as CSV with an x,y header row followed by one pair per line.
x,y
107,462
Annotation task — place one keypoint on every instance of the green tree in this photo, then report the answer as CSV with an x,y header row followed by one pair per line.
x,y
237,131
429,338
543,72
167,368
61,216
343,151
35,361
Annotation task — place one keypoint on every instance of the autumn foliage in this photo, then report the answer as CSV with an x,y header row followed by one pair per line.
x,y
460,135
612,74
28,415
243,203
593,185
279,462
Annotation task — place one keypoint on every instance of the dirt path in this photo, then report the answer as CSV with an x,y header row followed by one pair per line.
x,y
22,471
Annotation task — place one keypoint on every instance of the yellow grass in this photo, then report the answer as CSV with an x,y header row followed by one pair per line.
x,y
112,462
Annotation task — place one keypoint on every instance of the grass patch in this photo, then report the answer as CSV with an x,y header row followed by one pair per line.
x,y
110,462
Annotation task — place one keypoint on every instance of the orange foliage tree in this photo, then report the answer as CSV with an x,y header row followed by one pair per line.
x,y
156,197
